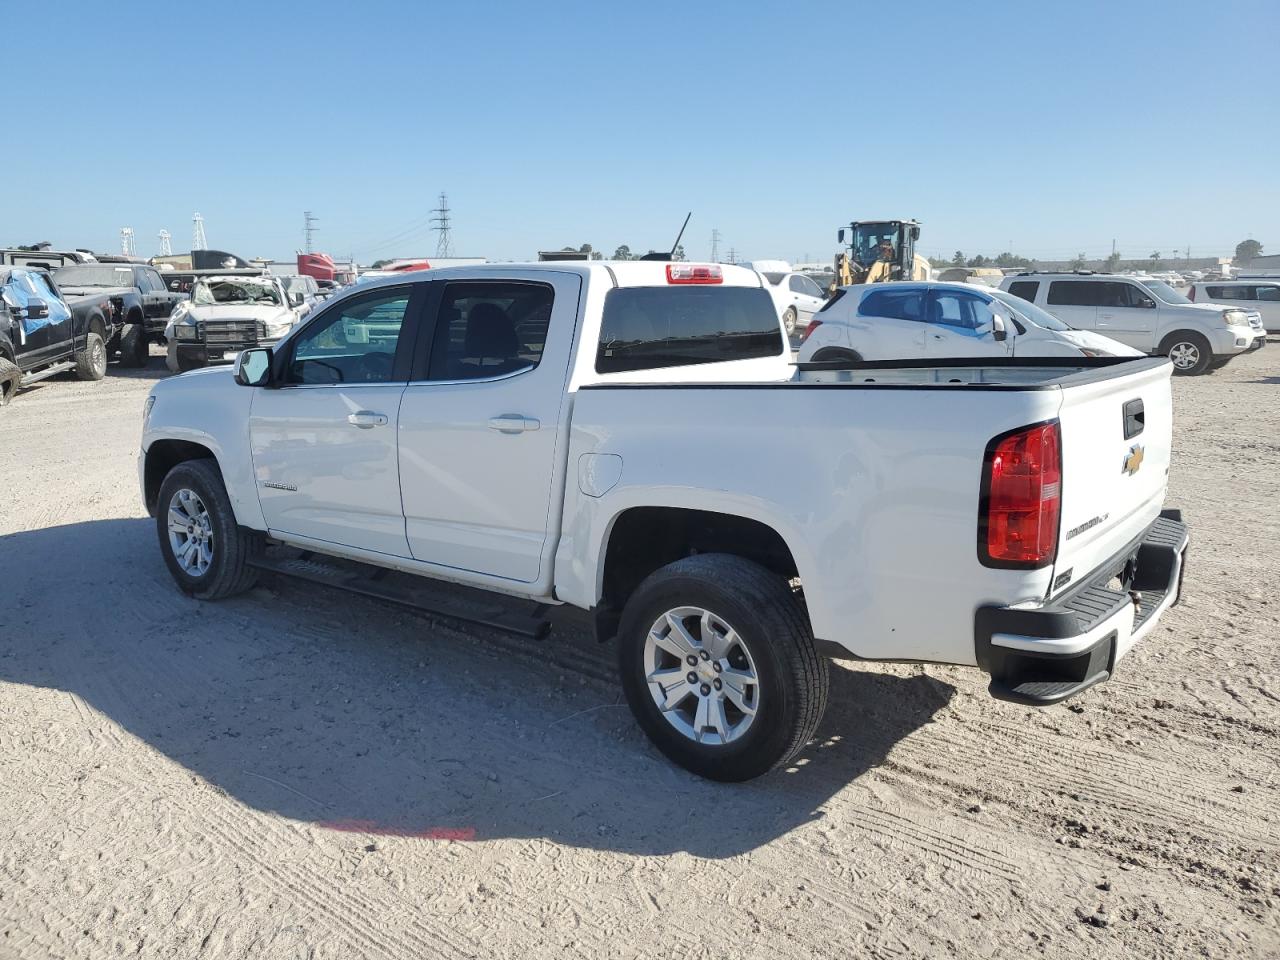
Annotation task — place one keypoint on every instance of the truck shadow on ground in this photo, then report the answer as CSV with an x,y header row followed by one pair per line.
x,y
353,716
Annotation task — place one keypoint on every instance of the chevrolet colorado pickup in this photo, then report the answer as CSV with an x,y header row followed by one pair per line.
x,y
41,334
632,439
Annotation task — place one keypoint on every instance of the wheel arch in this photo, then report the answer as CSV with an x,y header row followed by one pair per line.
x,y
161,457
642,539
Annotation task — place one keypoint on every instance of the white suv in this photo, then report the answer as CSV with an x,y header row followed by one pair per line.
x,y
1144,313
1258,295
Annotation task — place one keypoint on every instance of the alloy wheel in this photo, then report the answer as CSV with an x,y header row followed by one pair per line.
x,y
1184,355
190,532
701,676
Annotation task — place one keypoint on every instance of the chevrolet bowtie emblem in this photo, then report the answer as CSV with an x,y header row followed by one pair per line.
x,y
1133,460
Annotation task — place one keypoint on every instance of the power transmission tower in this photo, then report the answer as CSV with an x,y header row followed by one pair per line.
x,y
126,241
166,249
444,247
198,241
715,246
732,255
307,228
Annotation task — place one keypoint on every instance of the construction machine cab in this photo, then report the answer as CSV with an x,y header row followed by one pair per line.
x,y
878,250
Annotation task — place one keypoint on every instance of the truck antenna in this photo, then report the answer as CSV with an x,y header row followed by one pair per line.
x,y
679,235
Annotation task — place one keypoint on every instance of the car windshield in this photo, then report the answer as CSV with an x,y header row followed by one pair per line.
x,y
1163,291
93,275
208,292
1029,311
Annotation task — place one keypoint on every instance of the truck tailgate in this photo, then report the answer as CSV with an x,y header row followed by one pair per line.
x,y
1116,439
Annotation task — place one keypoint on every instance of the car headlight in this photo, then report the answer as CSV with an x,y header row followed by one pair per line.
x,y
1235,318
185,331
146,408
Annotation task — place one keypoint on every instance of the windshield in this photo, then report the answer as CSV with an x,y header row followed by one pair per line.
x,y
208,292
875,241
93,275
1163,291
1029,311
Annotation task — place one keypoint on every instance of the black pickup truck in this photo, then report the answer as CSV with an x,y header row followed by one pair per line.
x,y
42,333
138,294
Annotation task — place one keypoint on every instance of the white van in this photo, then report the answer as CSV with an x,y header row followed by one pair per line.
x,y
898,321
1145,313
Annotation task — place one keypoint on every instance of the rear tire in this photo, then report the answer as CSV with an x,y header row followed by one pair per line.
x,y
1189,352
10,377
750,624
789,319
133,346
848,356
206,551
92,363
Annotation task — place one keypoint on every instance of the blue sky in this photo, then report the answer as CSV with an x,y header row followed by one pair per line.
x,y
1050,129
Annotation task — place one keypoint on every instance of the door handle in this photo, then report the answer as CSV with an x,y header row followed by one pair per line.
x,y
365,419
513,423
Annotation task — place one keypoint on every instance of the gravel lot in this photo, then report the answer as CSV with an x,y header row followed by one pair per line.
x,y
296,774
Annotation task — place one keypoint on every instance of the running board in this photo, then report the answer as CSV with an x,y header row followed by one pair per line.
x,y
47,372
398,588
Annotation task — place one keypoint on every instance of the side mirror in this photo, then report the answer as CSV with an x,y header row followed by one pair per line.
x,y
297,299
1148,303
36,309
253,367
840,237
915,233
999,332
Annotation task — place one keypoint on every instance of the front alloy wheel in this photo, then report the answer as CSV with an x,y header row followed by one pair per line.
x,y
701,676
1185,356
190,532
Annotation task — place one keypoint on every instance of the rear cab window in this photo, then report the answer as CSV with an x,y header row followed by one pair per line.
x,y
646,328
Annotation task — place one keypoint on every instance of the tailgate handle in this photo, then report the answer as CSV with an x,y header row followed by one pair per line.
x,y
1135,418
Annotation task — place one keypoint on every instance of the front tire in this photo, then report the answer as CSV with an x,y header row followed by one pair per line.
x,y
92,363
758,687
10,377
1189,352
206,551
133,346
789,319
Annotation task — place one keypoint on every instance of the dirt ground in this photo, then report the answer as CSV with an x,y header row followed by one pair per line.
x,y
296,774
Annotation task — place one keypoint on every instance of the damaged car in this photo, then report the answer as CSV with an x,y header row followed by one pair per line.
x,y
226,314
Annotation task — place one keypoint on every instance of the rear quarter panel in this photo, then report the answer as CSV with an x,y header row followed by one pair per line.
x,y
875,491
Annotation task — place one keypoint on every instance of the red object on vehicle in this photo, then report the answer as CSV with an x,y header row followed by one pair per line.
x,y
1022,498
694,273
317,265
406,266
814,324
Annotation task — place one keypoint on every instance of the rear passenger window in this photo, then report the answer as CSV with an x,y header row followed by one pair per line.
x,y
1268,294
1230,293
490,329
894,304
646,328
1074,293
1026,289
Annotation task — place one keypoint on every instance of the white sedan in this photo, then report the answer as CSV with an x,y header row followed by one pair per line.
x,y
897,321
796,296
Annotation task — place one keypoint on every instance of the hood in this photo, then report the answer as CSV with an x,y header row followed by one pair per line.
x,y
1094,341
268,313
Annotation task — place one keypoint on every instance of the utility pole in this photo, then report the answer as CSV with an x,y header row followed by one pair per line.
x,y
198,241
166,249
715,246
307,229
444,246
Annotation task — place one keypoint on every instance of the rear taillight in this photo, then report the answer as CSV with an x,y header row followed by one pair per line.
x,y
1021,498
694,273
814,324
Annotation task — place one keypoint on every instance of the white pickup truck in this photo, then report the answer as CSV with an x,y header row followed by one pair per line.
x,y
632,439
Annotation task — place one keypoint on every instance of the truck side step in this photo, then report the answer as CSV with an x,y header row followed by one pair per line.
x,y
428,596
49,371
